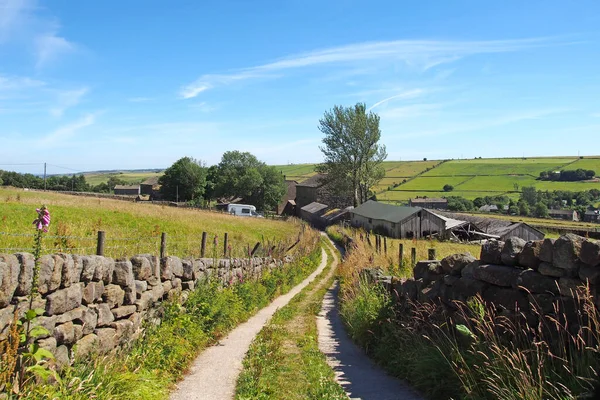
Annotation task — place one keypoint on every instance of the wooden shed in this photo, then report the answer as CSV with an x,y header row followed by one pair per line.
x,y
500,228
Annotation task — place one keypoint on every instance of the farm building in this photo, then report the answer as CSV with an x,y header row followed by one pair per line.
x,y
317,189
320,215
592,216
430,203
405,222
287,206
127,190
569,215
500,228
149,186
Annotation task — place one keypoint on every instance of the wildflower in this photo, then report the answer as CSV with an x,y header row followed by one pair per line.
x,y
43,220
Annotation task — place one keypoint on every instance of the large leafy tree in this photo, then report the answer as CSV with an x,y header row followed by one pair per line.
x,y
241,174
353,155
184,180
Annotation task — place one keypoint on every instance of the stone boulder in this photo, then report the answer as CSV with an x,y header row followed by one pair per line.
x,y
509,299
86,346
512,250
70,274
548,269
93,292
464,288
534,282
491,252
530,256
428,271
64,300
123,274
499,275
589,274
467,271
188,270
89,264
27,262
590,253
113,295
566,251
142,269
9,278
455,263
546,250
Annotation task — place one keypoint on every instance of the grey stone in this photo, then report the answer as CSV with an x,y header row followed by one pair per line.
x,y
27,262
154,281
99,271
89,321
512,250
77,331
491,252
140,287
142,269
145,301
423,268
590,253
124,311
45,275
76,313
123,274
113,295
48,323
69,275
9,277
530,256
89,268
154,264
450,280
499,275
174,265
105,316
64,300
7,315
589,274
167,285
543,302
455,263
166,272
550,270
136,321
509,299
176,283
61,356
93,292
467,271
107,339
534,282
566,251
569,286
173,294
468,287
86,346
64,333
48,344
22,303
158,292
546,250
123,330
188,270
108,269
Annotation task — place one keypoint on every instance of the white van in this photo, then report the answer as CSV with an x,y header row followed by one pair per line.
x,y
243,210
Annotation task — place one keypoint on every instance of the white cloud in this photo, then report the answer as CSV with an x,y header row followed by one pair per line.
x,y
50,47
12,13
18,83
409,94
420,54
66,100
65,132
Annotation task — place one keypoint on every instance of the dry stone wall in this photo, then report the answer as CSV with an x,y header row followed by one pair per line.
x,y
514,276
96,304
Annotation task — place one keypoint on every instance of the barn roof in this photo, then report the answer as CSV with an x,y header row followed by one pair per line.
x,y
451,223
314,181
314,207
386,212
123,187
153,180
493,226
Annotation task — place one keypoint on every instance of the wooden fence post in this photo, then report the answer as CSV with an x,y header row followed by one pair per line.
x,y
431,254
413,256
163,245
225,244
100,244
203,245
385,245
400,254
256,246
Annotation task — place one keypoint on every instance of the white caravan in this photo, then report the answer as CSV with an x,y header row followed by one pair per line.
x,y
243,210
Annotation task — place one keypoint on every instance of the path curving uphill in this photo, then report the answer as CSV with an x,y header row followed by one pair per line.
x,y
360,377
214,373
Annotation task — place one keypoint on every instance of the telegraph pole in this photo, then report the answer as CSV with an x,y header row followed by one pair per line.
x,y
177,189
44,176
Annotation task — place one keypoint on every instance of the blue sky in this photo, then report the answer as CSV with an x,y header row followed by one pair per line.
x,y
138,84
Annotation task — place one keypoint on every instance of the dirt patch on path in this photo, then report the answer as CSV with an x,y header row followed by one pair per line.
x,y
214,374
360,377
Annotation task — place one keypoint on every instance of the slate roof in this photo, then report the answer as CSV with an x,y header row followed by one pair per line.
x,y
314,207
314,181
123,187
386,212
153,180
493,226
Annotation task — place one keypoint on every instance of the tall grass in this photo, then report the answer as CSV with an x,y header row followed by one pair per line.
x,y
157,360
475,352
131,228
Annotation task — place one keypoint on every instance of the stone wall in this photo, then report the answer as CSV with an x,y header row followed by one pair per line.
x,y
512,275
95,303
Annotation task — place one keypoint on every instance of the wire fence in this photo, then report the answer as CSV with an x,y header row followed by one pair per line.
x,y
211,245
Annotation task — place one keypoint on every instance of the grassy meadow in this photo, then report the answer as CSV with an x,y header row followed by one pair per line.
x,y
131,228
132,177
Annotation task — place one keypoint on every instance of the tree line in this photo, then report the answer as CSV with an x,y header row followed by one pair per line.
x,y
568,175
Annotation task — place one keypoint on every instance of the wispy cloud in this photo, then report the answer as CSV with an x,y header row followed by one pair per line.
x,y
420,54
60,135
12,13
409,94
50,46
17,83
66,100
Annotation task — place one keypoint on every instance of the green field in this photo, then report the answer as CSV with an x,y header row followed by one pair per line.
x,y
129,177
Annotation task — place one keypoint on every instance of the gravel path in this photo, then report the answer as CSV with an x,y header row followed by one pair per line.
x,y
355,372
214,373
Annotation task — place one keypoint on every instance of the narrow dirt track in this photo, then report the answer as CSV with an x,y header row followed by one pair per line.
x,y
360,377
214,373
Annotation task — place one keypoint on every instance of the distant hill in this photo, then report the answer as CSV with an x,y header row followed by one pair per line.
x,y
130,176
